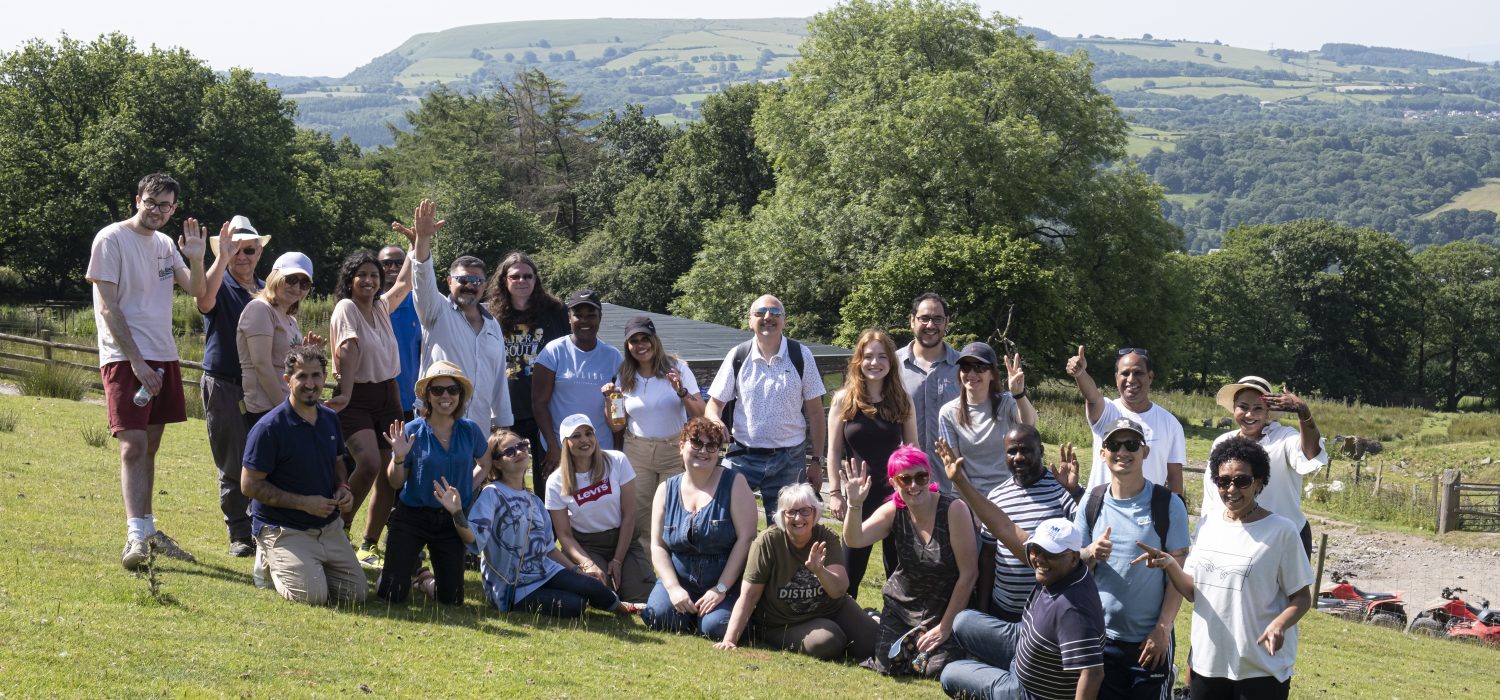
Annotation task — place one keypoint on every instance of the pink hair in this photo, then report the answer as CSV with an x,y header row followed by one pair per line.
x,y
906,457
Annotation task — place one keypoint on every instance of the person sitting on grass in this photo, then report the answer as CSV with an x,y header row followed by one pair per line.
x,y
521,566
808,610
296,475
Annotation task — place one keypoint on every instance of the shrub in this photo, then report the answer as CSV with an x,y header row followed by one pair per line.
x,y
94,435
55,381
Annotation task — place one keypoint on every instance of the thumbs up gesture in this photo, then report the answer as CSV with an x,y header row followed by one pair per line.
x,y
1101,548
1078,364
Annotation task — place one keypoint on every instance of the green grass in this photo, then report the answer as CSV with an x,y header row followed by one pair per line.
x,y
54,382
1485,197
1268,94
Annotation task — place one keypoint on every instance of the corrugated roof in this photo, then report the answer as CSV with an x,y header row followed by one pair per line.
x,y
697,342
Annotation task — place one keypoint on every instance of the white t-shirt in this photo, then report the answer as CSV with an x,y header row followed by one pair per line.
x,y
145,269
1163,434
596,506
654,408
1243,574
1283,493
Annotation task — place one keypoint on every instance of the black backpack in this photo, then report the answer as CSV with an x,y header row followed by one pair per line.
x,y
1161,509
742,351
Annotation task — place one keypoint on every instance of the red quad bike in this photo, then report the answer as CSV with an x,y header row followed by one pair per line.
x,y
1342,599
1485,630
1440,614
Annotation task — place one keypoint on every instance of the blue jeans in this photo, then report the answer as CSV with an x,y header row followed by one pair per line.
x,y
567,594
660,615
1126,679
769,473
989,672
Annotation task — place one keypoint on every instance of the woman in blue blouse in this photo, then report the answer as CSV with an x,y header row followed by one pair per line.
x,y
522,567
429,455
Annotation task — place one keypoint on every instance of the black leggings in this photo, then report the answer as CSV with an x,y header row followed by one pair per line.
x,y
527,429
567,594
857,559
1260,688
410,529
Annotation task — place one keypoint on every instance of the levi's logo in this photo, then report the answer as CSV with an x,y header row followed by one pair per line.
x,y
592,493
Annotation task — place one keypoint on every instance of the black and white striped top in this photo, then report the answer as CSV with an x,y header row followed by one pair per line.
x,y
1027,507
1062,633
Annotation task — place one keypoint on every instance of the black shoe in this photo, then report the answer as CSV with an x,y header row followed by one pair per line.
x,y
242,547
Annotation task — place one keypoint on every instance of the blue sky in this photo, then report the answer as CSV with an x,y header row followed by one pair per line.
x,y
332,37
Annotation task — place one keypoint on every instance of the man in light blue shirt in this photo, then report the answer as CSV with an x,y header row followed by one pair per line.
x,y
929,371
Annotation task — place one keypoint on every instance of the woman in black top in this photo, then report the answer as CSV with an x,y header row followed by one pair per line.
x,y
530,317
933,537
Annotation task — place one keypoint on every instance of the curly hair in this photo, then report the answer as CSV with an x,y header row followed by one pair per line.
x,y
1244,450
703,429
350,266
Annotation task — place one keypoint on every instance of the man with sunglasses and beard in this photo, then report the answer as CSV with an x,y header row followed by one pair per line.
x,y
1133,377
1139,607
456,328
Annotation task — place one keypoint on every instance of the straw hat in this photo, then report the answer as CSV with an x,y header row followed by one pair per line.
x,y
243,231
444,368
1225,397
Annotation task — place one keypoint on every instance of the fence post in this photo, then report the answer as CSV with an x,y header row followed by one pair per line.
x,y
1437,511
1379,474
1448,508
1322,552
47,349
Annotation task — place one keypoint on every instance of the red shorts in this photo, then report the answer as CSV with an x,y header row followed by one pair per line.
x,y
120,386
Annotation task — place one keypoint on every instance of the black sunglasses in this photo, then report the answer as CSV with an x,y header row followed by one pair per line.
x,y
972,367
910,480
450,389
1139,351
1129,445
513,450
1240,481
702,446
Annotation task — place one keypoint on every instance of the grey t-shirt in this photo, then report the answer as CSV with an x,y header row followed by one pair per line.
x,y
982,443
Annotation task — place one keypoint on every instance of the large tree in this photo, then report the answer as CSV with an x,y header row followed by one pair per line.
x,y
1459,343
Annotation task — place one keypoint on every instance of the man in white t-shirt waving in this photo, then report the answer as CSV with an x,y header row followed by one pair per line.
x,y
1163,432
133,267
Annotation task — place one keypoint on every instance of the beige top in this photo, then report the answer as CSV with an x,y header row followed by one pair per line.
x,y
378,357
259,319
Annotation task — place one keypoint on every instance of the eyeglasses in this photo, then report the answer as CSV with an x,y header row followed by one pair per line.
x,y
701,446
468,279
806,512
522,277
449,389
1139,351
973,368
914,479
768,312
392,263
1127,445
247,251
513,450
299,281
1240,481
158,206
932,320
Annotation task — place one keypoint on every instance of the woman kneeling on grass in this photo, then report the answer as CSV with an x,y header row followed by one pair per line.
x,y
510,529
808,610
1248,580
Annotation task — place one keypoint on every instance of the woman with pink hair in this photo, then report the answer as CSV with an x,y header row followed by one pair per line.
x,y
933,538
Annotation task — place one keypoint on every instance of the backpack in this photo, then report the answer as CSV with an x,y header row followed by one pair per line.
x,y
1161,509
742,351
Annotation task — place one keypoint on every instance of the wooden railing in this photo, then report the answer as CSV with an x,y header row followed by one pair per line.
x,y
1466,502
49,349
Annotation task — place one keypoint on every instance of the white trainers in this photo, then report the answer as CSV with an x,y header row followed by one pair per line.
x,y
134,554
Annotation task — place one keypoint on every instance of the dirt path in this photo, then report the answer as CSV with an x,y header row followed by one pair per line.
x,y
1389,561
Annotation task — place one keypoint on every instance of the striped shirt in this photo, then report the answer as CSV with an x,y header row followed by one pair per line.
x,y
1027,507
1062,633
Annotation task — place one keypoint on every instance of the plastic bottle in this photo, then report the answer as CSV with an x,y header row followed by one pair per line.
x,y
143,397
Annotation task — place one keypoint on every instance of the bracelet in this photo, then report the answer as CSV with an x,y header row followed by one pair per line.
x,y
682,392
399,461
1019,396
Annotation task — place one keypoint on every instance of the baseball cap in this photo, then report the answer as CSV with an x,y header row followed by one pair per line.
x,y
584,296
1124,424
1057,535
979,351
639,324
292,262
572,423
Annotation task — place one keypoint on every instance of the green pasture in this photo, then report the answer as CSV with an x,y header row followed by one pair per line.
x,y
1485,197
1186,201
1120,84
1269,94
1230,56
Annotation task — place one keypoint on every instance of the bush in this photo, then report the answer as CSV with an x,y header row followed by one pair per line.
x,y
55,382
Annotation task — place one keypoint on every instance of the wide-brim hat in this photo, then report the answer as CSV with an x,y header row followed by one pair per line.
x,y
444,368
243,231
1225,397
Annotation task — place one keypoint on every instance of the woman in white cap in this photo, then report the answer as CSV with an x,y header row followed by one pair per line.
x,y
433,462
267,330
1294,452
660,395
591,498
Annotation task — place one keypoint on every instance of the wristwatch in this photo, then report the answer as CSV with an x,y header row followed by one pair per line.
x,y
720,588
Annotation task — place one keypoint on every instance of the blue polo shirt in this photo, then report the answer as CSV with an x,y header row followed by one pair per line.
x,y
221,358
428,462
297,457
1132,594
1062,633
409,347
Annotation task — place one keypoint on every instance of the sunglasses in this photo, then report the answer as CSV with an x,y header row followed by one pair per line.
x,y
521,277
299,281
1139,351
701,446
806,512
1240,481
768,312
468,279
392,263
513,450
1128,445
247,251
440,389
972,368
910,480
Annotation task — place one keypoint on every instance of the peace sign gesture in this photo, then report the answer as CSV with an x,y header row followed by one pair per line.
x,y
1066,472
1015,377
856,477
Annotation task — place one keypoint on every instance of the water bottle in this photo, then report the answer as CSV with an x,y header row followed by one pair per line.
x,y
143,397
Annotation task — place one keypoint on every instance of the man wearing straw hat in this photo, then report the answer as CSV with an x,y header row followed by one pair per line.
x,y
1294,452
228,286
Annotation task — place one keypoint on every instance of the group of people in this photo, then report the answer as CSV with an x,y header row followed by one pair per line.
x,y
1003,577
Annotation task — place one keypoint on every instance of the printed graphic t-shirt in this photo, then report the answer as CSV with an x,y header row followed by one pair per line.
x,y
596,506
793,594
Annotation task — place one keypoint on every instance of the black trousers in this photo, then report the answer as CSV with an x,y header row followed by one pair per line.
x,y
1261,688
408,531
527,429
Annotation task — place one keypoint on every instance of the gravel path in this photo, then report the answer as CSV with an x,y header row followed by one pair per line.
x,y
1389,561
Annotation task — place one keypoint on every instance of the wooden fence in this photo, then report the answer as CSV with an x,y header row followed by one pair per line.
x,y
1467,504
49,349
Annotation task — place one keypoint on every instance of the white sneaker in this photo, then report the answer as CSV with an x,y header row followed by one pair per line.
x,y
261,572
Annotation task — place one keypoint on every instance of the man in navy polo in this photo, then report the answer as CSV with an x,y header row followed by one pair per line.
x,y
296,476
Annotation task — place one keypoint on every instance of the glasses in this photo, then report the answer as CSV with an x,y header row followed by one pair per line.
x,y
513,450
806,512
522,277
932,320
247,251
1139,351
768,312
1240,481
299,281
972,368
392,263
701,446
1127,445
910,480
158,206
468,279
449,389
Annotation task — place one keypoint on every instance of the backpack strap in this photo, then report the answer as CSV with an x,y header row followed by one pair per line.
x,y
1093,506
737,361
1161,512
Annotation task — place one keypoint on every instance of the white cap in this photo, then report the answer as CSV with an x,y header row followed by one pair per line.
x,y
243,231
571,424
1057,535
294,262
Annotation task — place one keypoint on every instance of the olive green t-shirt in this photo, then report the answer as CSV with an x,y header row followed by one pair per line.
x,y
793,594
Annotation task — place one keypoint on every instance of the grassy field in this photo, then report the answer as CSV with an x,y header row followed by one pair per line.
x,y
75,625
1485,197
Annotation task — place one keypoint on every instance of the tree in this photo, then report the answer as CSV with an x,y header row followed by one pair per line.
x,y
1461,288
554,153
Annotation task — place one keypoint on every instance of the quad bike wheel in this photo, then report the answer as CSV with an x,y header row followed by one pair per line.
x,y
1387,620
1428,627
